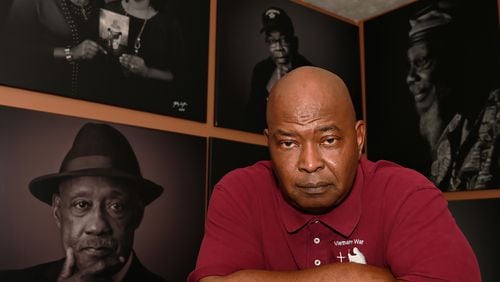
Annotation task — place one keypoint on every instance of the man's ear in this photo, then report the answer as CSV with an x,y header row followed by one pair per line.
x,y
360,136
56,206
266,134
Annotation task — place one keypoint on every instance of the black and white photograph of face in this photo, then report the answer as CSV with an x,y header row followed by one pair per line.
x,y
129,198
433,91
147,55
260,41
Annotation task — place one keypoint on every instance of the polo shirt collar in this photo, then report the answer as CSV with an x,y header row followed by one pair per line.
x,y
342,218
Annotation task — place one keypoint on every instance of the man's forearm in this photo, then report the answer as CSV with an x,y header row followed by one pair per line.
x,y
332,272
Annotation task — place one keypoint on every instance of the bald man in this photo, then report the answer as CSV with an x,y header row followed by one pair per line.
x,y
320,211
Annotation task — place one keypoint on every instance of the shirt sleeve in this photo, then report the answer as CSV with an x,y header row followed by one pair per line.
x,y
230,242
424,242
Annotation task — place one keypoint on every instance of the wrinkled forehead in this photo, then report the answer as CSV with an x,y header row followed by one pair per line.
x,y
95,185
277,35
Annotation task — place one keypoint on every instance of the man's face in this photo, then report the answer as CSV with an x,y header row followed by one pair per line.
x,y
97,218
279,47
423,78
315,146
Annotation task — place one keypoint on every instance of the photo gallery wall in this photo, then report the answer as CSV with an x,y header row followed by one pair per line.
x,y
161,62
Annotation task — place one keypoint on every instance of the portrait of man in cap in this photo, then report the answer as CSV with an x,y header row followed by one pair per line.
x,y
99,199
460,128
433,80
284,56
260,41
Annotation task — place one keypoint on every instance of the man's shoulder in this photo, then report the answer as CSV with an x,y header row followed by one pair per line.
x,y
391,177
258,169
256,176
491,109
266,64
299,61
42,272
382,168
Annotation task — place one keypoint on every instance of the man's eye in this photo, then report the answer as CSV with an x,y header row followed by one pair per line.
x,y
117,207
329,141
81,205
287,144
422,62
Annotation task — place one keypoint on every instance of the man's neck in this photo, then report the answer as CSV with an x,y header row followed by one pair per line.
x,y
120,275
431,125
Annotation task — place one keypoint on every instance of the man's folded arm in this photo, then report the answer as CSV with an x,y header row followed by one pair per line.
x,y
331,272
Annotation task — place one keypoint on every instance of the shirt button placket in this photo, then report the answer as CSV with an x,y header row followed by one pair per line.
x,y
316,241
315,227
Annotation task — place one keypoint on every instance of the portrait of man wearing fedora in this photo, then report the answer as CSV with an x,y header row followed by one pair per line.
x,y
98,199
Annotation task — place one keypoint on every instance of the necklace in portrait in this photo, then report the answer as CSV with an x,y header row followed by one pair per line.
x,y
82,4
84,13
137,42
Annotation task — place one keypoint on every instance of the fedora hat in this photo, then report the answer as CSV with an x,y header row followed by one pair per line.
x,y
98,150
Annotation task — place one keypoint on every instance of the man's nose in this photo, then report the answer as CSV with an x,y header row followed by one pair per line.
x,y
310,159
411,76
98,222
279,45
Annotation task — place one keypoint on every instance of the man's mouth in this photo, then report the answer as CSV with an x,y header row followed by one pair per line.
x,y
315,188
420,92
97,251
420,97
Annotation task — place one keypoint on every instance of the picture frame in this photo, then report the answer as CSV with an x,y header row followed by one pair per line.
x,y
173,84
415,131
323,40
35,143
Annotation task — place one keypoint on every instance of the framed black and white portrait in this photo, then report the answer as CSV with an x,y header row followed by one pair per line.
x,y
145,55
34,144
259,41
433,91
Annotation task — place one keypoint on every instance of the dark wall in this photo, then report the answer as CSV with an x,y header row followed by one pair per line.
x,y
478,219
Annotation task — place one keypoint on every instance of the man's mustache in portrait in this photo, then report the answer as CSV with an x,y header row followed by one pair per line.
x,y
96,243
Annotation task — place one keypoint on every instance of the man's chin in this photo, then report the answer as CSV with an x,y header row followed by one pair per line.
x,y
282,61
93,262
314,208
86,257
97,252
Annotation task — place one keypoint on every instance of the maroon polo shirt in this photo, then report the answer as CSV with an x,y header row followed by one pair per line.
x,y
393,216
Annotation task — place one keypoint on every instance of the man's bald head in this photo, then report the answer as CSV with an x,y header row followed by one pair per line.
x,y
307,89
